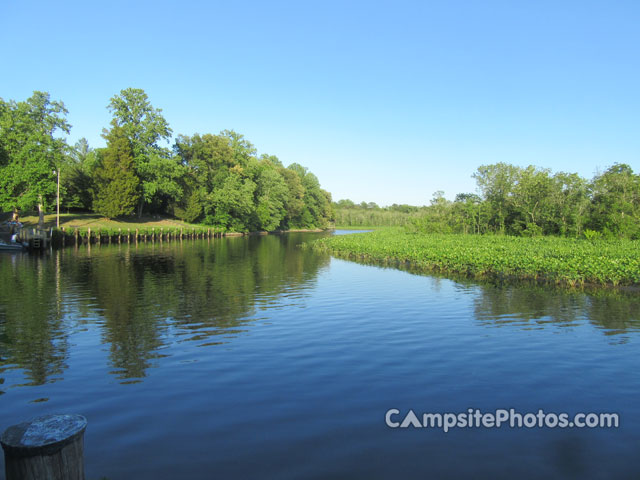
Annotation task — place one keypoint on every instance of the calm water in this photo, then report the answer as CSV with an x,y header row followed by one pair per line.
x,y
252,358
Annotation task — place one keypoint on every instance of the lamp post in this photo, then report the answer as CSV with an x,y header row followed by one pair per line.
x,y
57,199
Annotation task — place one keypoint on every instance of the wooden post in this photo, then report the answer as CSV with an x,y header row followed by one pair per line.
x,y
64,234
75,234
153,234
128,235
48,447
136,235
89,235
119,235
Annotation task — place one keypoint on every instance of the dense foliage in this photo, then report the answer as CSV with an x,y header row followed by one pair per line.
x,y
520,201
549,259
116,184
30,153
217,180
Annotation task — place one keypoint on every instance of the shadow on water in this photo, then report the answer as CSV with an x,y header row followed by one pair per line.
x,y
143,298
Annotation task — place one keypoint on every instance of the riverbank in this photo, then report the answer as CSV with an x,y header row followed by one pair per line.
x,y
89,220
85,228
562,261
85,221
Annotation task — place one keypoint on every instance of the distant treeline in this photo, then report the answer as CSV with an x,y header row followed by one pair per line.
x,y
369,214
213,179
519,201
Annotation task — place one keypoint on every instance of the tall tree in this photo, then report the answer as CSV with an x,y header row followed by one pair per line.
x,y
496,183
531,197
116,182
145,127
570,201
270,195
616,201
243,150
77,176
30,150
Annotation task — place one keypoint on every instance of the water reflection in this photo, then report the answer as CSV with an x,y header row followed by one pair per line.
x,y
614,312
143,298
33,334
532,305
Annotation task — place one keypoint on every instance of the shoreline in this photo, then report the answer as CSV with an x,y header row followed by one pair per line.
x,y
74,236
543,260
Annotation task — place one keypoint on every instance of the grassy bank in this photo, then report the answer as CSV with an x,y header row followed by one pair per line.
x,y
145,225
548,259
93,221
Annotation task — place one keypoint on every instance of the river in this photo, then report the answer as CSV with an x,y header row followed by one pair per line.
x,y
253,358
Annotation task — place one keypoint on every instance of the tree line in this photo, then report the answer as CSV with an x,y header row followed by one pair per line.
x,y
213,179
520,201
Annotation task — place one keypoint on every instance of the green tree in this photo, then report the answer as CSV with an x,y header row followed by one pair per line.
x,y
30,150
316,211
496,183
76,179
271,194
467,211
242,149
570,202
145,127
294,202
531,196
231,206
117,190
616,201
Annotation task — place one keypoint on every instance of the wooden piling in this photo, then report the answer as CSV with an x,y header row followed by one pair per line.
x,y
48,447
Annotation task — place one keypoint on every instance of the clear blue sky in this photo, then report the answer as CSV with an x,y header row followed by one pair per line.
x,y
383,101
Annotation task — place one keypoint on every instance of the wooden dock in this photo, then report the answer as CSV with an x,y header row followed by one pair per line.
x,y
36,238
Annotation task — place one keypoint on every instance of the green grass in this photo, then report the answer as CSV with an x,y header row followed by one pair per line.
x,y
103,226
547,259
93,221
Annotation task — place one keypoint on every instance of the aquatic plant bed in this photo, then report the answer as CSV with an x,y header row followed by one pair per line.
x,y
548,259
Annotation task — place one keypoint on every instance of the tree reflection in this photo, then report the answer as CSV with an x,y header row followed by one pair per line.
x,y
528,304
205,291
33,336
613,311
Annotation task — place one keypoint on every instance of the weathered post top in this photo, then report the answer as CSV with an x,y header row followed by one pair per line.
x,y
43,435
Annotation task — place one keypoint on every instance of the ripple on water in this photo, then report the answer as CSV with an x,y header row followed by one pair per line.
x,y
251,355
